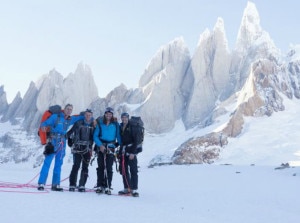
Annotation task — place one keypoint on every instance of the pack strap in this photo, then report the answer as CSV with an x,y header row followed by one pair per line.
x,y
82,143
83,151
57,135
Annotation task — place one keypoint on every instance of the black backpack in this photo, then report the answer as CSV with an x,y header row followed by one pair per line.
x,y
137,128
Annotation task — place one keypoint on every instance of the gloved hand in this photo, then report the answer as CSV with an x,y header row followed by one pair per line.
x,y
70,142
131,156
102,149
49,149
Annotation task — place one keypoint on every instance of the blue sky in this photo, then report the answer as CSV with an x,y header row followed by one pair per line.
x,y
118,38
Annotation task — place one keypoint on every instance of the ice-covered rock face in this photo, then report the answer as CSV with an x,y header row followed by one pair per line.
x,y
50,90
161,84
253,43
250,29
79,88
207,76
293,69
11,111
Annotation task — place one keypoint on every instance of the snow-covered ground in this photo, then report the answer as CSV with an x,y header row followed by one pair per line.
x,y
249,190
195,193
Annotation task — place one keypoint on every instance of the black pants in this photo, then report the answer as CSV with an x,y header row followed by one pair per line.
x,y
130,179
105,169
79,158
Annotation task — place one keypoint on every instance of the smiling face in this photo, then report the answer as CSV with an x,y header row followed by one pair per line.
x,y
108,116
68,110
124,120
88,116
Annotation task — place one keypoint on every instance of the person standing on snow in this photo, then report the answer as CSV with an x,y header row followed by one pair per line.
x,y
128,158
105,136
59,124
80,136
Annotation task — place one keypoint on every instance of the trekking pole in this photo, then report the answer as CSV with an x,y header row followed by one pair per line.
x,y
92,160
116,160
95,155
105,167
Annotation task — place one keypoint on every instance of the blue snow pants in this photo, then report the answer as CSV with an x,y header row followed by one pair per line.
x,y
60,151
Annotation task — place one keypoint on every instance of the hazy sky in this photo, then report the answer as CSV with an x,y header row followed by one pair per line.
x,y
117,38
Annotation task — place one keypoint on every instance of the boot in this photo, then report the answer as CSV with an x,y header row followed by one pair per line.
x,y
72,188
107,191
100,190
81,189
134,193
56,188
41,187
124,192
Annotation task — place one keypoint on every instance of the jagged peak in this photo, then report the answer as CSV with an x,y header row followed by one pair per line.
x,y
83,68
218,35
3,99
203,36
2,89
121,86
31,84
52,76
251,13
18,96
250,28
177,43
219,25
251,16
53,72
169,53
219,29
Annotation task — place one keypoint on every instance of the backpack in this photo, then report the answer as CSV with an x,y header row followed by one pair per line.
x,y
44,135
137,128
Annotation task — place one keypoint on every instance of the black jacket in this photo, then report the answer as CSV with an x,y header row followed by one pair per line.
x,y
81,132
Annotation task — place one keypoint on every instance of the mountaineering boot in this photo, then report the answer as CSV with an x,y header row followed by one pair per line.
x,y
72,188
134,193
56,188
107,191
81,189
124,192
41,187
100,190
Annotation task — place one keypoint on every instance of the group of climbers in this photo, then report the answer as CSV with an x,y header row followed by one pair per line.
x,y
104,136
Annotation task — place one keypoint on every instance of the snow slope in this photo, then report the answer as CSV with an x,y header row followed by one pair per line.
x,y
234,193
197,193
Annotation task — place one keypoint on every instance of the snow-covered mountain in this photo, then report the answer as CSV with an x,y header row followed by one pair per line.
x,y
253,80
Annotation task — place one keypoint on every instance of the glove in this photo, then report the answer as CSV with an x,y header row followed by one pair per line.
x,y
49,149
70,142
